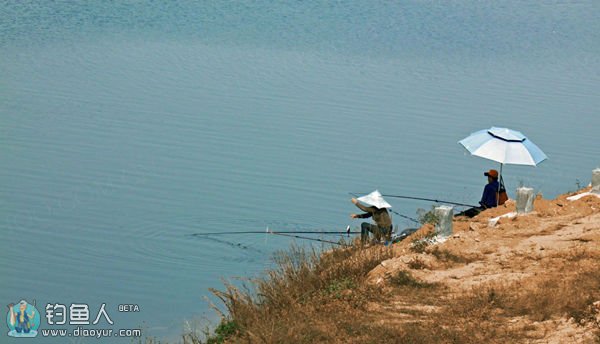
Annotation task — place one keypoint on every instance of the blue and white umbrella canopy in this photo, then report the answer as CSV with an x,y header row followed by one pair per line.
x,y
503,145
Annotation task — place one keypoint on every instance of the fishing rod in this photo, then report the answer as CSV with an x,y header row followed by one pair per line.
x,y
406,217
346,232
431,200
307,238
395,212
427,199
291,234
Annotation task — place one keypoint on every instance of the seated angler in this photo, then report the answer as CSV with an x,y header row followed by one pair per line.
x,y
489,199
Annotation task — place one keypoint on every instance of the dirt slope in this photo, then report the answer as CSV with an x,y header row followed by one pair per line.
x,y
528,265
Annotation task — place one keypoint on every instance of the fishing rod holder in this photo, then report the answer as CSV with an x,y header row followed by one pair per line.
x,y
444,215
596,181
525,198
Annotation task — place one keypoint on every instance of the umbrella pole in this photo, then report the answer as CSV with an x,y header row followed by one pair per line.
x,y
499,179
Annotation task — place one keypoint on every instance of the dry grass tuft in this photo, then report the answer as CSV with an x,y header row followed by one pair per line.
x,y
450,258
303,285
417,263
405,279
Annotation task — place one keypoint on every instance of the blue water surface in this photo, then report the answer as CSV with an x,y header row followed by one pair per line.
x,y
126,127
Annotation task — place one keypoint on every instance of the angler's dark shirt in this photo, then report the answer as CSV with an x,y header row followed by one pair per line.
x,y
490,192
380,216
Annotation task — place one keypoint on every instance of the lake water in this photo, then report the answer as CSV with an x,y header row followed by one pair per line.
x,y
127,127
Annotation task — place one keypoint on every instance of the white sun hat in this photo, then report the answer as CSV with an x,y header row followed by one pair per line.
x,y
375,199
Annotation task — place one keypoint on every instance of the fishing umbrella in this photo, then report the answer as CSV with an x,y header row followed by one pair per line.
x,y
505,146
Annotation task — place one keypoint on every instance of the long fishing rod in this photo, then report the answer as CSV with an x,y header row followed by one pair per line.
x,y
406,217
347,232
395,212
431,200
306,238
427,199
284,233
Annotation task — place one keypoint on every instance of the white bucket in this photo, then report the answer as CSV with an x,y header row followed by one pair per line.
x,y
525,199
444,215
596,181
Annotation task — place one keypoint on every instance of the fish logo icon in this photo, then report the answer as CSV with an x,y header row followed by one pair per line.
x,y
23,320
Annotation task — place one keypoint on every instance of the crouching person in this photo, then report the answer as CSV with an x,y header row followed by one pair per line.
x,y
376,208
